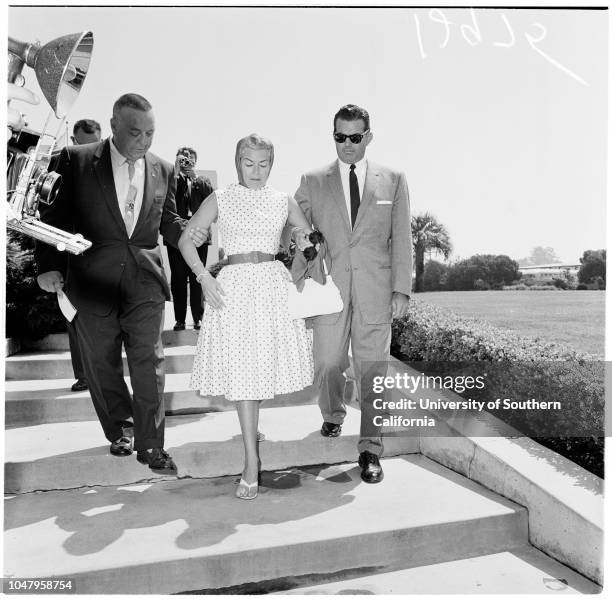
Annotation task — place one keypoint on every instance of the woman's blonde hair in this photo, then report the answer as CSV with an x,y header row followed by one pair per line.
x,y
253,142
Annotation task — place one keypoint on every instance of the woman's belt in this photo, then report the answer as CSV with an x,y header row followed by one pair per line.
x,y
250,258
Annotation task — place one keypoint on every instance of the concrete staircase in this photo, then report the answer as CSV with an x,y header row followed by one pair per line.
x,y
111,525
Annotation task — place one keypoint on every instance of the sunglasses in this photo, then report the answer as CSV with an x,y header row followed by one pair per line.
x,y
355,137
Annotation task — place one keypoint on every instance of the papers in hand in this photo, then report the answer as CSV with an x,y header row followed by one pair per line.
x,y
68,310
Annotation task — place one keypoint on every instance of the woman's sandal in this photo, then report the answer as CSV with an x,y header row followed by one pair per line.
x,y
242,485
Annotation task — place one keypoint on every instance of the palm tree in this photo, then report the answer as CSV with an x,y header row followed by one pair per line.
x,y
427,235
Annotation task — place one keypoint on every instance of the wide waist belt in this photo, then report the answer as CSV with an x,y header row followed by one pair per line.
x,y
250,257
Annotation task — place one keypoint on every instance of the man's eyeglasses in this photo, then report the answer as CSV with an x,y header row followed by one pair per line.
x,y
355,137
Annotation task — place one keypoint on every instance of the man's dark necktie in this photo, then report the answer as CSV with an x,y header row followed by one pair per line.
x,y
354,187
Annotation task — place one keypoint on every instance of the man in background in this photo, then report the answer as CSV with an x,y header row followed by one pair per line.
x,y
191,191
85,131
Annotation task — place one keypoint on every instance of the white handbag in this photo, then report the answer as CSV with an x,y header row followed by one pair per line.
x,y
314,299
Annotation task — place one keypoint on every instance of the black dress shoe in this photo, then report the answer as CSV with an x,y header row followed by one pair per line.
x,y
371,470
329,429
179,326
122,446
80,385
158,460
196,325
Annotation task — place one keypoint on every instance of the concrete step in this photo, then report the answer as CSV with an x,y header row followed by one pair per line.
x,y
56,364
188,535
39,401
68,455
59,341
524,570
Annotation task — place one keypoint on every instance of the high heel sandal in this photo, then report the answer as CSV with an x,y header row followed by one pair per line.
x,y
242,485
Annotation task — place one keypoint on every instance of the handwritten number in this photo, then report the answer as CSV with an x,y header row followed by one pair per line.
x,y
510,31
532,42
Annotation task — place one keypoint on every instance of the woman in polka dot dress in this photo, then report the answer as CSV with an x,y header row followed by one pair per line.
x,y
249,349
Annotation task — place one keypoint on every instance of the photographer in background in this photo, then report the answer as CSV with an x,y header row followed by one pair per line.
x,y
191,191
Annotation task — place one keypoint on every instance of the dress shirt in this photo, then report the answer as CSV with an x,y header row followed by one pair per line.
x,y
122,181
360,170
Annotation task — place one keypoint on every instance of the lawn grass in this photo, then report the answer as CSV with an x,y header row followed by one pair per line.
x,y
574,318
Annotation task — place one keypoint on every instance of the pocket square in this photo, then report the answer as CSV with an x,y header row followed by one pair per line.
x,y
384,201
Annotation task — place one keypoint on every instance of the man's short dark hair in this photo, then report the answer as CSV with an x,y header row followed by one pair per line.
x,y
187,149
132,101
352,112
89,126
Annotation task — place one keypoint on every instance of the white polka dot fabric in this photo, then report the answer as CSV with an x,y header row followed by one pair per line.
x,y
251,349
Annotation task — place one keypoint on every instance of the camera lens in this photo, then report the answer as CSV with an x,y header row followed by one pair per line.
x,y
47,186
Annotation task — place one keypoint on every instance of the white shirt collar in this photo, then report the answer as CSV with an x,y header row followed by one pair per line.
x,y
118,158
360,167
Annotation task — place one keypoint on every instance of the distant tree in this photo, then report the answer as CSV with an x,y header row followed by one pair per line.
x,y
540,255
593,265
434,278
428,235
482,271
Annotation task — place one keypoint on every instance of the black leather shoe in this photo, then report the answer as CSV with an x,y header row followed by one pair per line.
x,y
122,446
179,326
196,325
158,460
371,470
329,429
80,385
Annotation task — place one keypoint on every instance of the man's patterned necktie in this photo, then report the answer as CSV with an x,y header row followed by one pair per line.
x,y
130,200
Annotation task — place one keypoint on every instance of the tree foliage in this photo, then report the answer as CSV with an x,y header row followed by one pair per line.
x,y
482,271
540,255
592,266
435,276
428,235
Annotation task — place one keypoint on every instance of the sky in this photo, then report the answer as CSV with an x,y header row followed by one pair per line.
x,y
497,117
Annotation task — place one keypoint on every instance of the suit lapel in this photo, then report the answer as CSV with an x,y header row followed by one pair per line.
x,y
335,184
151,177
369,188
103,168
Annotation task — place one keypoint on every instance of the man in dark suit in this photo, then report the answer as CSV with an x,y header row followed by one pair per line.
x,y
85,131
191,191
120,197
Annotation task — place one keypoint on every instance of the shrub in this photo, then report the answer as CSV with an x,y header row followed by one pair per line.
x,y
581,287
543,287
434,277
481,285
31,313
560,283
517,367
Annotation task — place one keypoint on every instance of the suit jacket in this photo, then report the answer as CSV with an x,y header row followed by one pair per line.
x,y
87,204
374,259
187,204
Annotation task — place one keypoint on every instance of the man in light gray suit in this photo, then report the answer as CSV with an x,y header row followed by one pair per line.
x,y
362,210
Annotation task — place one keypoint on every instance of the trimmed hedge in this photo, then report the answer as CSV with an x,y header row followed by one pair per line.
x,y
518,367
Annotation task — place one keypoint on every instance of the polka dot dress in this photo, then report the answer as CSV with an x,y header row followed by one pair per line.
x,y
251,349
